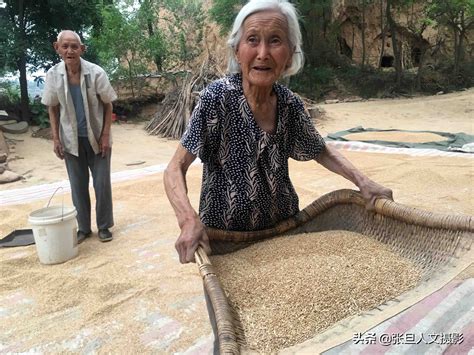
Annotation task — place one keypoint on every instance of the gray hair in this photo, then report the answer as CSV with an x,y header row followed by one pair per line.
x,y
294,33
60,35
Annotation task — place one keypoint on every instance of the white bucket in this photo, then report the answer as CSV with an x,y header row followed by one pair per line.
x,y
55,233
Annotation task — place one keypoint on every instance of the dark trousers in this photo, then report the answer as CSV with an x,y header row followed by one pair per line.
x,y
78,172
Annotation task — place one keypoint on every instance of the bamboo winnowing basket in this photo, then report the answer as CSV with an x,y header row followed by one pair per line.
x,y
430,240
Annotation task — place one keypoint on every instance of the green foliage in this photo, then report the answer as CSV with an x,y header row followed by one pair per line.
x,y
28,29
458,15
349,80
368,82
447,80
452,12
39,113
184,25
168,33
318,31
121,48
34,29
10,99
223,13
313,82
9,94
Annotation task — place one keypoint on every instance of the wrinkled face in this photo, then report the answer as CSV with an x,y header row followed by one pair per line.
x,y
69,48
264,50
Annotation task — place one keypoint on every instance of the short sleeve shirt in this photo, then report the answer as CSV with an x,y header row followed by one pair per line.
x,y
246,184
96,91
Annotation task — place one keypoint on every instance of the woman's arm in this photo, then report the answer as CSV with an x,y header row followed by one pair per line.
x,y
334,161
192,229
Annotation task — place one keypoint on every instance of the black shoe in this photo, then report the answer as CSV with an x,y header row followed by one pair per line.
x,y
81,236
105,235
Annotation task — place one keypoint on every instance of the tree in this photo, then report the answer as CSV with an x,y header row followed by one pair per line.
x,y
363,28
382,33
458,15
223,12
148,14
175,31
167,33
29,27
359,18
185,22
316,27
418,22
390,5
121,47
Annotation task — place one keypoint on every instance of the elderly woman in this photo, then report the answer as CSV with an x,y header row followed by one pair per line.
x,y
244,128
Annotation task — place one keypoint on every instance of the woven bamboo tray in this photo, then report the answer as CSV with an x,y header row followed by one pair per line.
x,y
439,244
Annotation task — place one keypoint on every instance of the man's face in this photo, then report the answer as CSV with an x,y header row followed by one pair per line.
x,y
69,48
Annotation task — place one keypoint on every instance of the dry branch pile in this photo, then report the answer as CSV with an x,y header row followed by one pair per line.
x,y
172,118
288,289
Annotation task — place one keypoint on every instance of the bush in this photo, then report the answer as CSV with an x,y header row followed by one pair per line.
x,y
313,82
10,96
349,79
39,114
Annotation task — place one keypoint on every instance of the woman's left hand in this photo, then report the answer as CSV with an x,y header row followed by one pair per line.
x,y
371,191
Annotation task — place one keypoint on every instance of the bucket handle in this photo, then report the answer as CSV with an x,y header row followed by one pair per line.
x,y
62,204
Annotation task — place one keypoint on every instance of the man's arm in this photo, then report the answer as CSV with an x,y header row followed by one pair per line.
x,y
104,141
334,161
192,230
53,112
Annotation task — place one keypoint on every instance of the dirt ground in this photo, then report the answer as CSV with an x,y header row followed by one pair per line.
x,y
33,157
132,293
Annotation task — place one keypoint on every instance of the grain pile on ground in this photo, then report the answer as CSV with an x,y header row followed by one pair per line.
x,y
286,290
118,295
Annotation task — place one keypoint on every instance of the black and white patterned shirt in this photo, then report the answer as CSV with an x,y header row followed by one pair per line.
x,y
246,184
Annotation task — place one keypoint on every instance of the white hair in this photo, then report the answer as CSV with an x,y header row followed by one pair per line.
x,y
61,34
294,33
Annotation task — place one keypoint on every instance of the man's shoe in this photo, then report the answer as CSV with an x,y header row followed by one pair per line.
x,y
81,236
105,235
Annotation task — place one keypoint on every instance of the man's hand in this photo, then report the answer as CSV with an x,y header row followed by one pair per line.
x,y
104,144
371,191
192,235
58,149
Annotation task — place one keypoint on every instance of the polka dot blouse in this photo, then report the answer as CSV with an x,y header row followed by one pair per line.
x,y
246,184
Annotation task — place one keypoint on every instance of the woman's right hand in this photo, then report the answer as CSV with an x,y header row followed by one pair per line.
x,y
58,149
192,235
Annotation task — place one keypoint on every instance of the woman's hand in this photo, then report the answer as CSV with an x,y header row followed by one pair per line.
x,y
371,191
193,232
192,235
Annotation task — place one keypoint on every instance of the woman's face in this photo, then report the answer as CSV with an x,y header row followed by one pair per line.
x,y
264,50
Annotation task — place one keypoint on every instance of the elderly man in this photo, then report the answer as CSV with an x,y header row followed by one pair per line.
x,y
79,99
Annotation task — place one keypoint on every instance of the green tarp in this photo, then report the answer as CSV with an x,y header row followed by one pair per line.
x,y
452,142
